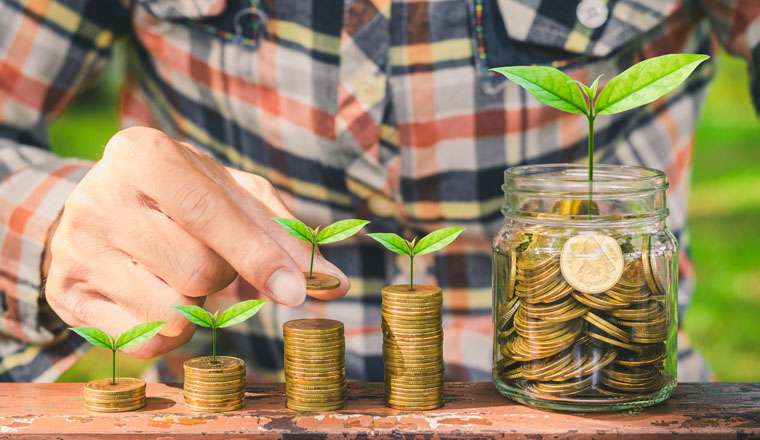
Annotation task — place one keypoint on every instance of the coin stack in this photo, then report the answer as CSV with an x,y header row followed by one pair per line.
x,y
583,316
413,347
315,364
214,386
103,395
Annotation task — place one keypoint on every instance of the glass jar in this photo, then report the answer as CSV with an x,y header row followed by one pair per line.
x,y
585,289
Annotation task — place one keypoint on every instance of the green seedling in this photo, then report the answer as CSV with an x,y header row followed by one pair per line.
x,y
432,242
641,84
134,336
337,231
234,315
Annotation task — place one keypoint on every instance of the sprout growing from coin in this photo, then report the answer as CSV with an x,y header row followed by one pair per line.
x,y
234,315
134,336
641,84
337,231
432,242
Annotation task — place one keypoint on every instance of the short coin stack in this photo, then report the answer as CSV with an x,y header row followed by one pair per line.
x,y
214,386
413,347
315,364
126,394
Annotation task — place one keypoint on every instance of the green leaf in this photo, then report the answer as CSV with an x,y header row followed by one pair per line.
x,y
548,85
392,242
239,312
340,230
584,87
195,314
646,81
295,227
94,336
436,240
594,87
139,334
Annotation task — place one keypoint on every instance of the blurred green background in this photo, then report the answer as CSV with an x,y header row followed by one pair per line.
x,y
723,321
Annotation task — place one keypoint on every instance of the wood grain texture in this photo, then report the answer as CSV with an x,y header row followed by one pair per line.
x,y
705,411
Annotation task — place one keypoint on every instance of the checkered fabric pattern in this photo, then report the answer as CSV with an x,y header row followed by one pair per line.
x,y
376,109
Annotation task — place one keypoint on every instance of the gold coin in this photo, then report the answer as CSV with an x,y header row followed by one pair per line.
x,y
215,379
321,281
120,403
224,396
209,388
314,348
124,386
296,406
567,388
99,408
312,326
420,290
201,407
402,335
315,352
414,407
325,383
333,362
316,397
512,273
413,308
612,341
591,263
309,342
433,322
647,355
413,398
642,313
414,378
597,360
306,394
204,365
606,327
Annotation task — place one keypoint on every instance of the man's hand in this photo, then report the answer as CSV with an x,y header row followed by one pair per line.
x,y
157,223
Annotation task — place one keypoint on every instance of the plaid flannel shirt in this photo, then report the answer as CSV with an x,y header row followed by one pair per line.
x,y
377,109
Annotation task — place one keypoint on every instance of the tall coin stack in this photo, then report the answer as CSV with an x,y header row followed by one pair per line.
x,y
103,396
315,364
413,347
214,386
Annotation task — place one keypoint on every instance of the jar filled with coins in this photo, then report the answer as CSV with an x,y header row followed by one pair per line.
x,y
585,289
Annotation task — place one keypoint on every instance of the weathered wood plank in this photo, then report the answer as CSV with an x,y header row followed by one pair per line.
x,y
709,411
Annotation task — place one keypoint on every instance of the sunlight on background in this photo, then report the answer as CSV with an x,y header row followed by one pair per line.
x,y
723,321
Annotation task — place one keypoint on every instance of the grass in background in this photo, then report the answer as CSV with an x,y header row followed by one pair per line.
x,y
724,318
723,321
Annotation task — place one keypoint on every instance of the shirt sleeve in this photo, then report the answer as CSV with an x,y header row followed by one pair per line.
x,y
736,25
49,50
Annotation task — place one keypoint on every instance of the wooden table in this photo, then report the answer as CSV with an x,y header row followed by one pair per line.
x,y
473,410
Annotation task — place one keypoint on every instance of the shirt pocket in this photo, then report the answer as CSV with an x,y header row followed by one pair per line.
x,y
562,33
237,22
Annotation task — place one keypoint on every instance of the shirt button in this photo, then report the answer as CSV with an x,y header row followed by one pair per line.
x,y
592,13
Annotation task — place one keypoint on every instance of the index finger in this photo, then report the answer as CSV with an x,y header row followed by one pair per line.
x,y
202,207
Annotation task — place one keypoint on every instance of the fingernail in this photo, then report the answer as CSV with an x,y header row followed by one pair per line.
x,y
286,288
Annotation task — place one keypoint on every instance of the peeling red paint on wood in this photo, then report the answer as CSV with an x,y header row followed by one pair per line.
x,y
709,411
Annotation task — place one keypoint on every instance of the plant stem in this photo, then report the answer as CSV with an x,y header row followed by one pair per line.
x,y
591,148
311,265
411,272
113,367
590,162
213,343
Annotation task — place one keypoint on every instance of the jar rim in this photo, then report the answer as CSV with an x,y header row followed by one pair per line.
x,y
573,178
